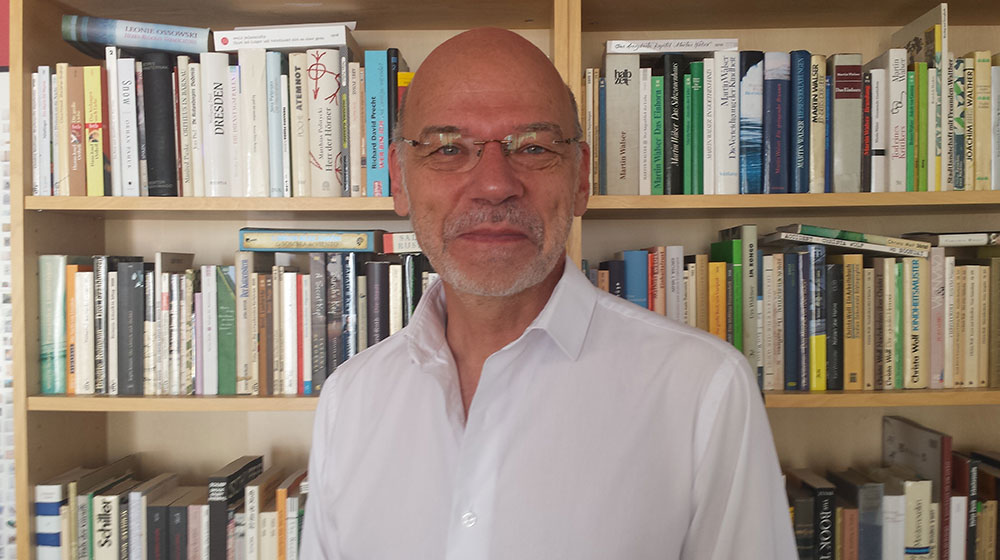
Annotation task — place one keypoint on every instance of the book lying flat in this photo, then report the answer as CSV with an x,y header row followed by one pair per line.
x,y
782,238
903,243
957,239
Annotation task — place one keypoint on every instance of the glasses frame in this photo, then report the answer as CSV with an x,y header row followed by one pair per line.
x,y
505,146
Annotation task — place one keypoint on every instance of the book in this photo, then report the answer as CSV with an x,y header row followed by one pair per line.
x,y
258,491
822,491
845,73
800,132
226,488
852,320
226,328
377,119
708,127
727,123
306,240
48,497
622,123
131,318
957,239
751,94
216,128
158,109
916,309
299,132
747,235
655,46
818,109
866,494
834,303
325,152
138,498
91,34
285,38
782,238
778,128
731,252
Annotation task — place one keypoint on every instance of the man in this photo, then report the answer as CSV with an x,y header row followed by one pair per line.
x,y
523,414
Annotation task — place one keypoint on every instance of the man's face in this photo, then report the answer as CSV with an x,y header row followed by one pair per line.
x,y
500,227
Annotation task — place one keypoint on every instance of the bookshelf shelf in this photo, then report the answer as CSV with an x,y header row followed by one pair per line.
x,y
867,399
829,204
169,404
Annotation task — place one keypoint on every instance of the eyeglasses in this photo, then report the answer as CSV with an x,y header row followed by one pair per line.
x,y
450,152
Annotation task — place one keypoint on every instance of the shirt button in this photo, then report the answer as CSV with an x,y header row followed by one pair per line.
x,y
469,519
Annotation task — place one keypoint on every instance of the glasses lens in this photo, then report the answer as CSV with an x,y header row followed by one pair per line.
x,y
529,151
534,151
447,151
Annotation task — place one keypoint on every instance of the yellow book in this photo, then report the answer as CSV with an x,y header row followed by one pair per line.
x,y
916,312
982,143
93,130
852,313
717,299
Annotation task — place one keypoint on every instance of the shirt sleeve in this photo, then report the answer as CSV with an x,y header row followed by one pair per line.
x,y
740,506
319,533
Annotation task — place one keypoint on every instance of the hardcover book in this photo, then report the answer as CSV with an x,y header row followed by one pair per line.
x,y
621,72
800,134
302,240
751,121
727,122
325,139
845,137
777,121
161,162
91,34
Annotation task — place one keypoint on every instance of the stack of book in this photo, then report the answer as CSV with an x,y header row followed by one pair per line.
x,y
275,111
295,305
826,309
701,117
109,512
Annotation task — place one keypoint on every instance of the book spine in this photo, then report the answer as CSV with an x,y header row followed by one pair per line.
x,y
751,121
196,102
769,330
800,134
709,174
52,323
995,135
335,287
131,295
140,108
182,75
209,335
853,324
113,124
673,93
636,277
158,108
226,329
128,130
304,340
921,124
645,137
100,319
234,129
824,529
85,333
265,344
351,336
244,335
895,118
37,141
174,337
215,123
814,268
289,334
868,329
866,132
188,338
150,352
982,142
299,130
933,138
834,302
845,73
76,167
600,162
356,142
778,127
255,169
622,119
94,127
656,135
256,328
687,135
377,290
377,134
178,531
970,124
272,70
697,126
879,166
317,311
817,123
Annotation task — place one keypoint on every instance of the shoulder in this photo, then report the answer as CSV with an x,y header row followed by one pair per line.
x,y
387,357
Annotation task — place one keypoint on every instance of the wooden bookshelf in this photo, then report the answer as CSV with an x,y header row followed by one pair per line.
x,y
61,403
868,399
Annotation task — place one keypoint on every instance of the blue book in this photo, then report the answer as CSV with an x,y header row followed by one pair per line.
x,y
812,271
751,121
84,32
828,179
798,163
377,115
637,277
602,113
793,333
274,151
777,106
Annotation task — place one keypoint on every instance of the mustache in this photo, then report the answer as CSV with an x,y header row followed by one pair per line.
x,y
511,213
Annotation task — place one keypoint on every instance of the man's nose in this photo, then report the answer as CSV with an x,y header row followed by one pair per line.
x,y
494,179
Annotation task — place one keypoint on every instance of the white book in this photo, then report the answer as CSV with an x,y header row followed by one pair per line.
x,y
253,122
691,291
215,128
299,133
234,112
324,122
970,344
893,527
817,123
204,545
933,141
187,334
113,125
958,528
164,263
275,161
983,332
645,131
949,323
54,134
590,89
61,140
727,122
44,131
210,333
254,329
36,139
183,129
937,317
657,46
128,128
770,374
197,138
879,123
292,527
268,534
621,139
111,358
84,333
675,282
305,332
947,127
708,125
176,297
286,149
356,126
995,113
277,343
289,334
285,37
893,61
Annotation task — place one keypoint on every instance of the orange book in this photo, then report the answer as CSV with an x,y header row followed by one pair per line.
x,y
717,299
71,270
290,484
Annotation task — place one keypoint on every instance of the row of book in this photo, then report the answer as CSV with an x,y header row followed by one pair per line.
x,y
925,500
817,309
109,512
254,122
670,118
277,322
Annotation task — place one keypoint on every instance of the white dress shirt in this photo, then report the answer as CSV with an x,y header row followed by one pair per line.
x,y
604,432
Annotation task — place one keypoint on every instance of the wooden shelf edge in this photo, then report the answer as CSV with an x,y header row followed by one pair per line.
x,y
62,403
205,204
910,200
869,399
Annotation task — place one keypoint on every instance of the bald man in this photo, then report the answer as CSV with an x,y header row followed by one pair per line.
x,y
523,414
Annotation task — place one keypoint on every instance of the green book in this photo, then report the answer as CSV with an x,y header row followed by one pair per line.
x,y
920,117
897,327
226,320
911,133
687,168
698,126
732,252
656,144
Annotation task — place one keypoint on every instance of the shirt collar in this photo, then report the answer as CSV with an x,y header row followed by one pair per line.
x,y
565,318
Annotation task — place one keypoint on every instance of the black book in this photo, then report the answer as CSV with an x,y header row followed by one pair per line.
x,y
793,333
158,103
866,133
158,523
824,513
834,327
225,489
178,521
616,276
377,282
131,322
334,311
965,482
318,312
674,67
803,505
397,64
103,265
414,266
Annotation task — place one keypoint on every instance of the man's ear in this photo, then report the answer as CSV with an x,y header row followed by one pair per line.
x,y
400,201
583,183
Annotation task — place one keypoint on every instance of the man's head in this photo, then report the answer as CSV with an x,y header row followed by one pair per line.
x,y
493,217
